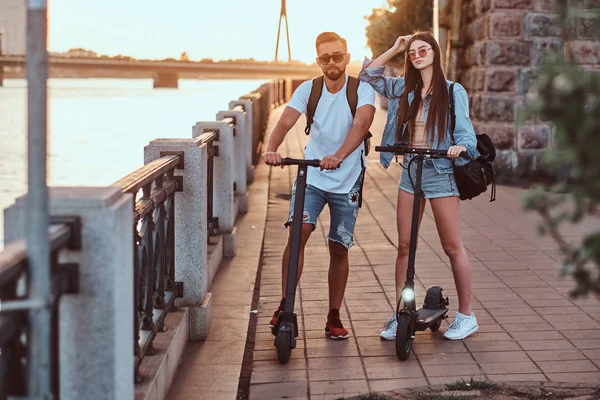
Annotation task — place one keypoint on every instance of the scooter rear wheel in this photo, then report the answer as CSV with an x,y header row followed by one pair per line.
x,y
436,326
404,335
284,346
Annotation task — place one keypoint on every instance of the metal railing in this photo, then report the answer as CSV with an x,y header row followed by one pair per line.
x,y
153,187
17,304
213,151
155,289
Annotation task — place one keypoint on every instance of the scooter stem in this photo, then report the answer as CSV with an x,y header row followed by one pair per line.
x,y
298,215
410,271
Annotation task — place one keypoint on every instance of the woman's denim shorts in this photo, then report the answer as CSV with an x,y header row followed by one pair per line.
x,y
433,183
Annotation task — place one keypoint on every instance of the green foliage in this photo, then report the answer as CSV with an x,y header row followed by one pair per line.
x,y
568,96
472,384
438,396
373,396
401,17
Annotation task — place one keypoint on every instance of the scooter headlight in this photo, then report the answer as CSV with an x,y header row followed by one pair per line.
x,y
408,295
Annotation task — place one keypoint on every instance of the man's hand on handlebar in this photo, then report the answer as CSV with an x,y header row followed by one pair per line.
x,y
331,162
272,158
454,151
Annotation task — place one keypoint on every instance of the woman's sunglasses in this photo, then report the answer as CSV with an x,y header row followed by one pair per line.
x,y
337,57
422,53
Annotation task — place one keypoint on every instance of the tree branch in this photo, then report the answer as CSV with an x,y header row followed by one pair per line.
x,y
564,247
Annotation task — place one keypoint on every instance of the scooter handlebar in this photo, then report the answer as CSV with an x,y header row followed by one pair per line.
x,y
298,161
401,149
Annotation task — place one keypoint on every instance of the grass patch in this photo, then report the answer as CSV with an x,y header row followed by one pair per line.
x,y
373,396
472,385
437,396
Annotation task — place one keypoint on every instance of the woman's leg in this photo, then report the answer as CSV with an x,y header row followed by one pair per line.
x,y
447,220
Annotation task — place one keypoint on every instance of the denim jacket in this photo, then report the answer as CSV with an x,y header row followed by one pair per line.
x,y
393,88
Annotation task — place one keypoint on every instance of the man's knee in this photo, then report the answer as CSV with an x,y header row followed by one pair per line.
x,y
307,229
341,231
344,212
337,250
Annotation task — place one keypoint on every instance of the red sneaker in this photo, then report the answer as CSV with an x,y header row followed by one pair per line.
x,y
276,314
334,328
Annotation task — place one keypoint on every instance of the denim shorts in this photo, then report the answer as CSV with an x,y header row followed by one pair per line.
x,y
433,183
343,210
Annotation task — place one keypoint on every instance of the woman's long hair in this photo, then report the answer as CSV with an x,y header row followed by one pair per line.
x,y
438,108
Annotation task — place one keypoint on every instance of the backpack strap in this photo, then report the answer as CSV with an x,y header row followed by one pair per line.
x,y
452,112
313,100
352,96
352,93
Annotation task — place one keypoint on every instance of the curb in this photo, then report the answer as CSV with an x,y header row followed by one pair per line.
x,y
443,390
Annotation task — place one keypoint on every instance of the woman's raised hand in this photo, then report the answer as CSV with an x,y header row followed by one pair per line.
x,y
400,44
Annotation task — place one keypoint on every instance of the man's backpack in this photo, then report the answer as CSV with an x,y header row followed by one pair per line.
x,y
473,178
351,95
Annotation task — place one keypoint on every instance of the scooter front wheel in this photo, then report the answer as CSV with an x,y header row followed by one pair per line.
x,y
404,337
283,341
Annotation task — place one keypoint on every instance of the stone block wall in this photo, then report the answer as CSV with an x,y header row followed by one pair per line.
x,y
505,43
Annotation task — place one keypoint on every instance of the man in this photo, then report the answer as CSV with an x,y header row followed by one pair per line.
x,y
336,138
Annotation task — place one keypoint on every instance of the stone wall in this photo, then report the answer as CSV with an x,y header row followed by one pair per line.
x,y
505,43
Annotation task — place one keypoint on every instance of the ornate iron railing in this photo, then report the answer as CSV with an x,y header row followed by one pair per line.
x,y
213,151
17,304
154,186
154,289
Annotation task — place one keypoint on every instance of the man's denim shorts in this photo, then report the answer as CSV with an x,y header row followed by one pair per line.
x,y
433,183
343,210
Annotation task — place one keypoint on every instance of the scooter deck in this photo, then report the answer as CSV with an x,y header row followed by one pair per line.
x,y
428,315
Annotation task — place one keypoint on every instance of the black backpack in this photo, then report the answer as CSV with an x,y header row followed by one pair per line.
x,y
473,178
351,95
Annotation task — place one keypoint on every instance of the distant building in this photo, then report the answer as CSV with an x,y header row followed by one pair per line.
x,y
13,23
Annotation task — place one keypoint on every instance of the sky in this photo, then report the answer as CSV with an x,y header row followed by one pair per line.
x,y
217,29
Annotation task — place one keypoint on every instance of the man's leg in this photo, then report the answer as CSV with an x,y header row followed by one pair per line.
x,y
338,274
344,211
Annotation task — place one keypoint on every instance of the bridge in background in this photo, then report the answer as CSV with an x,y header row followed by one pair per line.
x,y
164,73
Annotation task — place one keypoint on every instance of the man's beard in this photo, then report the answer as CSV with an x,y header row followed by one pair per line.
x,y
335,73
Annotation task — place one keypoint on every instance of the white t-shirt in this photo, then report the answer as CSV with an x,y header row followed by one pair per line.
x,y
331,124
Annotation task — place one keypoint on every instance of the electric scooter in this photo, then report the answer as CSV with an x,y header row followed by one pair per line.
x,y
435,307
286,328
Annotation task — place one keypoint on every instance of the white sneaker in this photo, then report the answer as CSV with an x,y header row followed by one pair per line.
x,y
461,327
389,329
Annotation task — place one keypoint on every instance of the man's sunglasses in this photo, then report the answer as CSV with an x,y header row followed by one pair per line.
x,y
337,58
422,53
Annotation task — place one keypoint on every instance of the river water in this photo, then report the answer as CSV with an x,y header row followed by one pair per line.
x,y
97,128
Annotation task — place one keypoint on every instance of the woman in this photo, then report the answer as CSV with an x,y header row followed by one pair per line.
x,y
418,110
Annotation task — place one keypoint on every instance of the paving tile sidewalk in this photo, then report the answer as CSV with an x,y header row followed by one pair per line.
x,y
530,330
211,369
